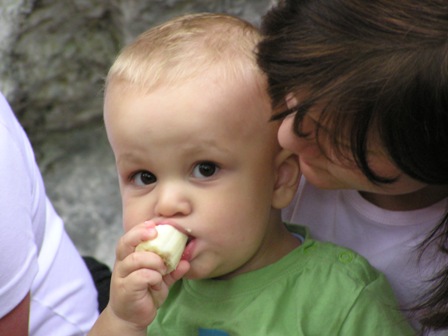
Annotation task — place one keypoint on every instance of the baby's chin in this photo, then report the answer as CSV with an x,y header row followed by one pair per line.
x,y
202,272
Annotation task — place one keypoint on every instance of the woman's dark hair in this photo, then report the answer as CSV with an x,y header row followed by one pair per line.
x,y
379,68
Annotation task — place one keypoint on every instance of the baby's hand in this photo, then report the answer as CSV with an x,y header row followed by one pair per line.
x,y
138,285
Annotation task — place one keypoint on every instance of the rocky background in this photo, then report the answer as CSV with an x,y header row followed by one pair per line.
x,y
54,55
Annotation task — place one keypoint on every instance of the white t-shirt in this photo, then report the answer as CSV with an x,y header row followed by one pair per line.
x,y
388,239
36,253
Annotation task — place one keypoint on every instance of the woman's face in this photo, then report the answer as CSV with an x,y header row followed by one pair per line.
x,y
323,168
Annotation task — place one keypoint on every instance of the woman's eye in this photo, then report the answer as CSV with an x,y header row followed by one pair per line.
x,y
143,178
205,169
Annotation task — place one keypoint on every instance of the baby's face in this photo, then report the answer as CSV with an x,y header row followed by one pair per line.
x,y
200,156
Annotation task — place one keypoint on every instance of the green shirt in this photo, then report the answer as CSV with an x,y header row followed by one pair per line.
x,y
317,289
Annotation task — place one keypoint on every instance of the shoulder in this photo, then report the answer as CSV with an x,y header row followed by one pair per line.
x,y
14,142
341,261
22,225
337,282
8,120
328,263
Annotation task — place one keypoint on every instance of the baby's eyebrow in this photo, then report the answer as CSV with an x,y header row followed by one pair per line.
x,y
205,146
127,158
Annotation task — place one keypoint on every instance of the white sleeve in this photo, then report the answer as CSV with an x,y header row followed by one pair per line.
x,y
18,243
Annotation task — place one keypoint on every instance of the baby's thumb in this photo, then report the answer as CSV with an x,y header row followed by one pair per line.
x,y
178,273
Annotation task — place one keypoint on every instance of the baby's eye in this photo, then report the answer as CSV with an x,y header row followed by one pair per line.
x,y
143,178
205,169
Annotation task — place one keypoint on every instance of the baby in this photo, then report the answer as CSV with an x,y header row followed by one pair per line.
x,y
188,118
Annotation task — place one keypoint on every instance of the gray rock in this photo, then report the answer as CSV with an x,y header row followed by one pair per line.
x,y
55,55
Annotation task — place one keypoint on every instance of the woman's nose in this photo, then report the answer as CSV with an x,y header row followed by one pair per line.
x,y
287,138
172,201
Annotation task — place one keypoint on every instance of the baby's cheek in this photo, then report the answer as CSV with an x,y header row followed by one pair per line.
x,y
131,218
128,224
136,210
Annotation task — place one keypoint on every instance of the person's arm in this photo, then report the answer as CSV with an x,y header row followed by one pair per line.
x,y
16,321
18,238
138,286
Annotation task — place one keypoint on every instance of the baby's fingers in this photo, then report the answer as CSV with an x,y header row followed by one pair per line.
x,y
140,260
177,274
139,281
131,298
129,241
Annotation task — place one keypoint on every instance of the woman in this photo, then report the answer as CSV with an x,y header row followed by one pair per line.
x,y
362,88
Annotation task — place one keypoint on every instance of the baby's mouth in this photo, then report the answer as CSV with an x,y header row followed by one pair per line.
x,y
188,251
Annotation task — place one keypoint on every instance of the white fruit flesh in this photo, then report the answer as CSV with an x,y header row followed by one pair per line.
x,y
169,245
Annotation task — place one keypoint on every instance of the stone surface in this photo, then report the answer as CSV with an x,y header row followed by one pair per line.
x,y
55,55
81,181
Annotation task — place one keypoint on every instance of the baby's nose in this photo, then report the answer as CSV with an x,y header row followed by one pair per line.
x,y
172,201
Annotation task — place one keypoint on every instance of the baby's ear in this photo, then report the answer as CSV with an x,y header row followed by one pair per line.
x,y
288,174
